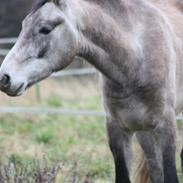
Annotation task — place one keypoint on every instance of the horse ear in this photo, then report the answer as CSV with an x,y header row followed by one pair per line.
x,y
56,1
60,2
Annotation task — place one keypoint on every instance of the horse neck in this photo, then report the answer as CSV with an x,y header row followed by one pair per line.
x,y
106,44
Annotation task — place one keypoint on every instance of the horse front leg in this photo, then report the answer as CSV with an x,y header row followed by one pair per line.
x,y
169,155
153,153
159,147
120,145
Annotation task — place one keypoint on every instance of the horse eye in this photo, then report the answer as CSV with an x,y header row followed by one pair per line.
x,y
45,30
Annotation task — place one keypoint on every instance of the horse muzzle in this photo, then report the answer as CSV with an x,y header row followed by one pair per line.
x,y
7,87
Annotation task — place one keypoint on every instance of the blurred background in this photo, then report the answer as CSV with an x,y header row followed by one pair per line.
x,y
55,132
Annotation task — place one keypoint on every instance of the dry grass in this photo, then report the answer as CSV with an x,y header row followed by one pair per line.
x,y
66,88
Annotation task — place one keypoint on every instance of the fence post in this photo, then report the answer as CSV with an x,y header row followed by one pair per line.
x,y
38,95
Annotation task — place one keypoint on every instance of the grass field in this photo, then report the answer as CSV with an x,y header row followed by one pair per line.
x,y
73,147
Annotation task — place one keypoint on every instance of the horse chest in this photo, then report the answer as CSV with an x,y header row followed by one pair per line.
x,y
130,114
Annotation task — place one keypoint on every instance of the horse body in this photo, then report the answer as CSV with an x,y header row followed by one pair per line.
x,y
137,46
146,98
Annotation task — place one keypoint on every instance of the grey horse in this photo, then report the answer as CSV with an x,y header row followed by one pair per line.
x,y
136,45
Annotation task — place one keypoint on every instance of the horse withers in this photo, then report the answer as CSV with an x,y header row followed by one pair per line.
x,y
136,45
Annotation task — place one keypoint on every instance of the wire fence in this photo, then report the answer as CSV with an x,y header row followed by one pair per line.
x,y
74,72
3,52
8,40
50,111
53,111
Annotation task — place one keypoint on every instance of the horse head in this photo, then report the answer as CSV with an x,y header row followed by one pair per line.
x,y
47,43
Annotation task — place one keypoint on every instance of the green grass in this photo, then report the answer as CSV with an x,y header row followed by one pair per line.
x,y
79,143
93,103
68,140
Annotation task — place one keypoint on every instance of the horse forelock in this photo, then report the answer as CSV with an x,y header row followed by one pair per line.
x,y
40,3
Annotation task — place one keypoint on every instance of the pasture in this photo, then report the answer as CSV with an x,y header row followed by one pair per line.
x,y
77,144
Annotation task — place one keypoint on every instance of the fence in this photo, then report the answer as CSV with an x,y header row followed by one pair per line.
x,y
53,111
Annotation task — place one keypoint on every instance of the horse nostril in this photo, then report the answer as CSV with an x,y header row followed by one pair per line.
x,y
5,80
